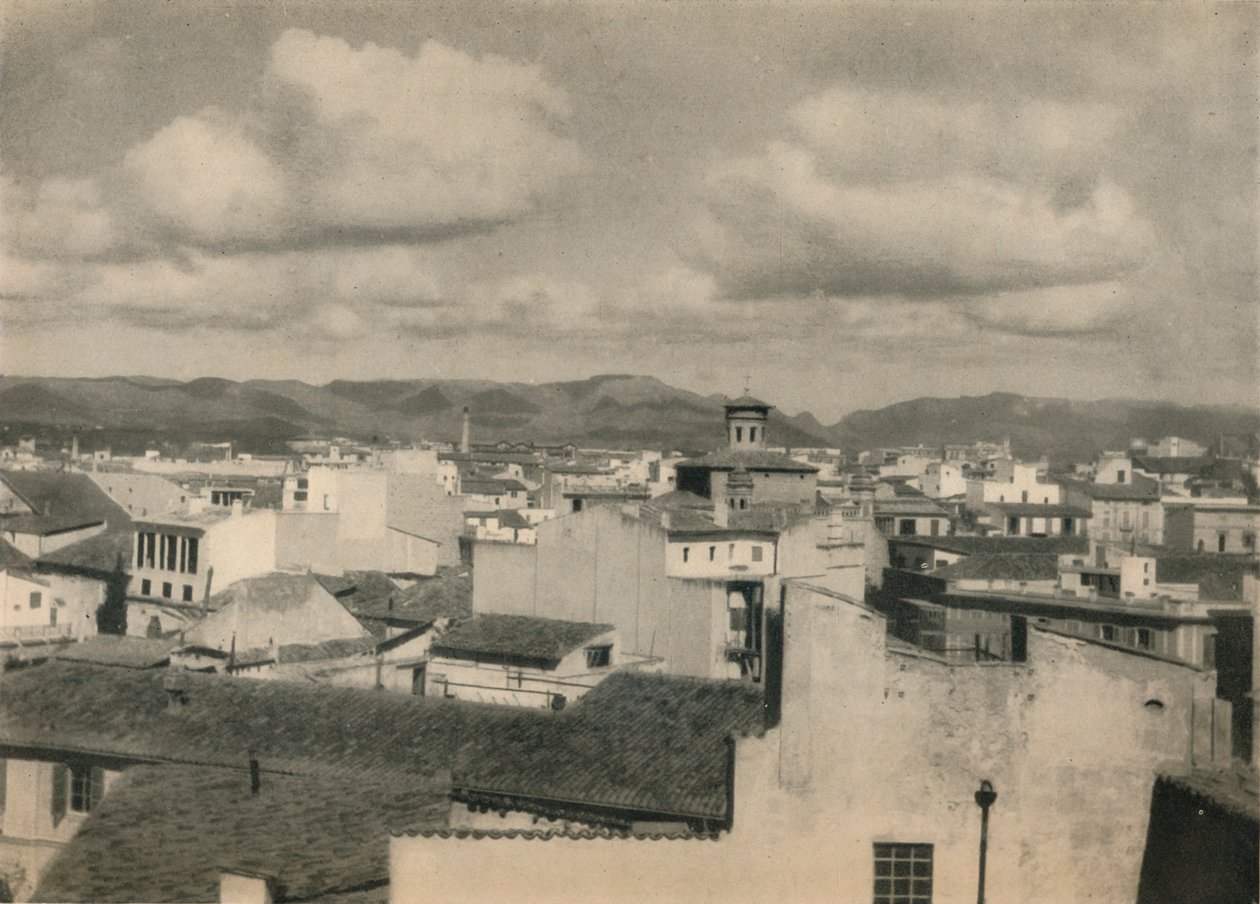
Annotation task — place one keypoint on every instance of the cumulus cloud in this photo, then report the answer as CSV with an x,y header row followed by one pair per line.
x,y
56,217
355,145
902,195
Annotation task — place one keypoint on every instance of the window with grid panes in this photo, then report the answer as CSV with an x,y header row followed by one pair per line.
x,y
903,873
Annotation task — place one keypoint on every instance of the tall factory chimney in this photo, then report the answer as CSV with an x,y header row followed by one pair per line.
x,y
465,444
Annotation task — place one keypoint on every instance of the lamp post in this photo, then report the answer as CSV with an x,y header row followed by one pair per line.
x,y
984,799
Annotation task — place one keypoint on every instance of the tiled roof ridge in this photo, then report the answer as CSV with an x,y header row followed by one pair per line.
x,y
548,834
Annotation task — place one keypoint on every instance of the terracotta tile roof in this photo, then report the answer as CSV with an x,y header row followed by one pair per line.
x,y
165,833
1002,566
516,637
126,652
1171,465
1039,510
101,553
1143,489
45,525
600,834
753,460
11,556
969,545
489,486
637,741
908,505
1220,577
665,732
276,591
448,594
65,495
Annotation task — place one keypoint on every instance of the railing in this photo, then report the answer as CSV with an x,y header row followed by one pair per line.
x,y
21,633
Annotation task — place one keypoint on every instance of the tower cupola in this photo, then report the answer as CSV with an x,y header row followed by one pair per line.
x,y
746,419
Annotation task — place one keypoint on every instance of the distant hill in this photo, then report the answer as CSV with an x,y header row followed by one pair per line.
x,y
1062,429
608,410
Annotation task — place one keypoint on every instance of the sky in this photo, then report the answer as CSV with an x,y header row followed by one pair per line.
x,y
837,205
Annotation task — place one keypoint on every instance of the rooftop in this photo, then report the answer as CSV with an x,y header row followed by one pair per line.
x,y
516,637
1039,510
165,833
102,552
276,591
63,494
747,401
122,651
752,459
636,740
1002,566
47,525
677,759
972,545
1143,489
488,486
11,556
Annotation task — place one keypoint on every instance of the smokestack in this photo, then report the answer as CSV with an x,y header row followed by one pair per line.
x,y
465,444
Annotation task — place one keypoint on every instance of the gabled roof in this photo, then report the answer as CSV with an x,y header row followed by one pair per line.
x,y
517,638
1220,577
165,833
1002,566
1142,489
642,740
11,556
275,591
587,752
47,525
1039,510
1171,465
62,494
752,459
489,486
100,553
125,652
972,545
448,594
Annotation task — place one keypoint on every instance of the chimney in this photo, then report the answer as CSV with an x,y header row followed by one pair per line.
x,y
721,513
176,686
465,436
666,521
255,774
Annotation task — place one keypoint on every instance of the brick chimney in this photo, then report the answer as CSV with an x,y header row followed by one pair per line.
x,y
465,436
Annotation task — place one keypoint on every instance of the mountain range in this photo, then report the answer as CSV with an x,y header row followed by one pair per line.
x,y
607,411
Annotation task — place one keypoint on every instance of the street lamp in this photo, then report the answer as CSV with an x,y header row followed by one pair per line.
x,y
984,799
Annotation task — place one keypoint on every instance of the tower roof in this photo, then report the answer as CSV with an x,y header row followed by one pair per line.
x,y
747,401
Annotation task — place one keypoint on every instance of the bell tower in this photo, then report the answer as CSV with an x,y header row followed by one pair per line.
x,y
746,419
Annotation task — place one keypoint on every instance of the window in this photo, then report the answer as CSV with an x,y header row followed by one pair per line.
x,y
906,527
299,496
1220,542
85,788
599,657
1249,541
303,484
37,599
146,587
187,594
1119,476
739,434
171,554
1023,496
686,553
752,434
1108,632
756,553
730,551
1143,638
712,552
903,874
192,555
166,589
